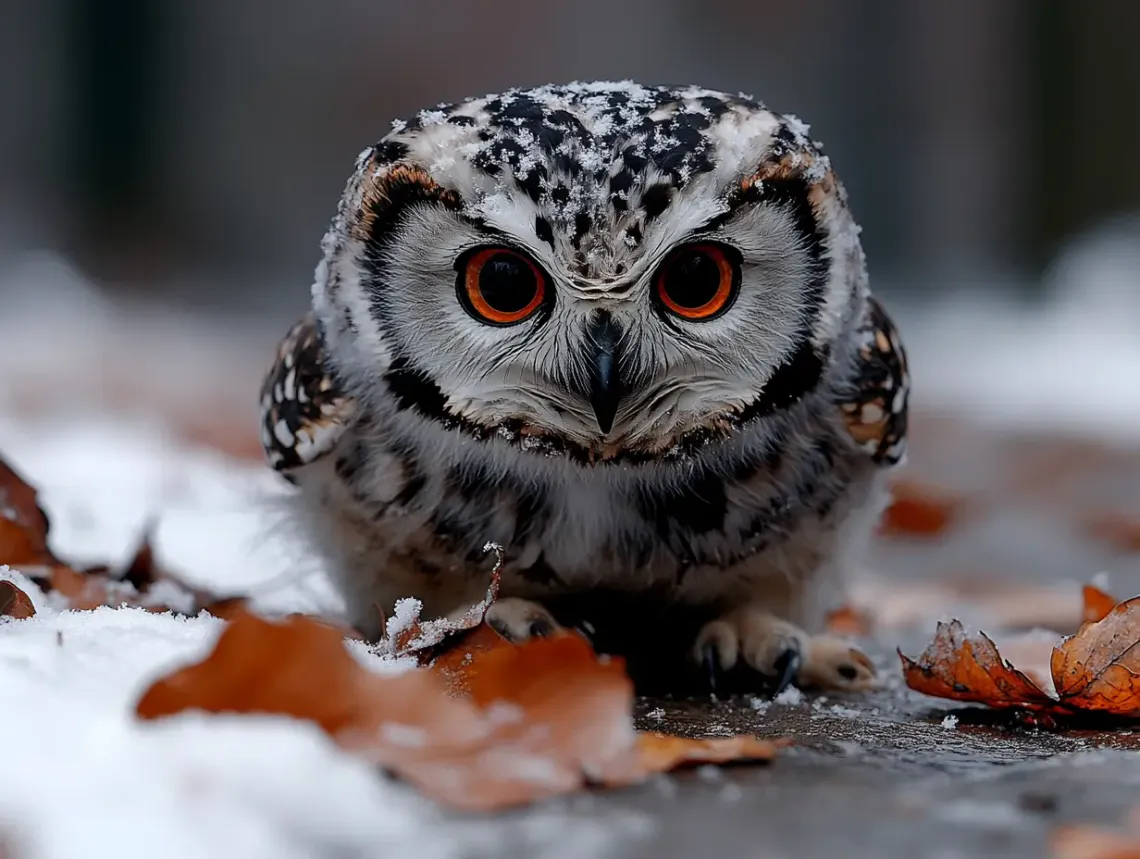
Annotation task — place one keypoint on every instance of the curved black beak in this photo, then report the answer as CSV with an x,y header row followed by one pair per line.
x,y
602,337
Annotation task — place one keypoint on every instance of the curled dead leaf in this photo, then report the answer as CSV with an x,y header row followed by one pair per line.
x,y
23,523
1096,670
969,668
407,635
24,529
1099,667
14,603
82,590
539,719
457,665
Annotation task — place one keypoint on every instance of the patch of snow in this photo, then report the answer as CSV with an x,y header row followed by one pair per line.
x,y
845,712
405,613
82,777
760,705
791,697
950,722
103,481
1070,363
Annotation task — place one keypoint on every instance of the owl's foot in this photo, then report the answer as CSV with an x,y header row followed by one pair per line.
x,y
517,619
781,652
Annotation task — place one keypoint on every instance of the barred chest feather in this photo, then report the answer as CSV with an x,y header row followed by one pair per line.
x,y
399,502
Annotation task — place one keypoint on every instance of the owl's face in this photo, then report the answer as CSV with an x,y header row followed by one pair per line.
x,y
604,264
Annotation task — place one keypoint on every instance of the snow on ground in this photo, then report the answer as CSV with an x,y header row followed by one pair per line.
x,y
1071,363
216,521
79,777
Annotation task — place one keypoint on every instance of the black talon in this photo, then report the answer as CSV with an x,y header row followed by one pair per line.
x,y
711,663
787,666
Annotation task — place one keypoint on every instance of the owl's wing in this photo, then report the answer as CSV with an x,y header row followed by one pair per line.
x,y
303,413
875,411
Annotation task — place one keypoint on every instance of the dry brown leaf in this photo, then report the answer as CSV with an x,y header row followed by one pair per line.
x,y
1099,667
142,571
542,718
23,523
969,668
14,603
457,665
1097,670
24,529
919,510
82,590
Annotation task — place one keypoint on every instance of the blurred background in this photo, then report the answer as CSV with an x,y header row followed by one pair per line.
x,y
185,157
167,170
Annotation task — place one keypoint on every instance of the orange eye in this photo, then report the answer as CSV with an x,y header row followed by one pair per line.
x,y
500,286
697,282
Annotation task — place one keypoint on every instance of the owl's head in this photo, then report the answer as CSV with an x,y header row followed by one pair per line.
x,y
610,266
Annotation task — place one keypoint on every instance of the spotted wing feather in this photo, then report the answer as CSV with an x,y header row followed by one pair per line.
x,y
303,412
876,411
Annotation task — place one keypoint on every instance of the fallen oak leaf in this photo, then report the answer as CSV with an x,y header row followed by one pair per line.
x,y
969,668
1098,668
83,591
296,667
457,665
23,523
447,747
14,603
582,701
543,718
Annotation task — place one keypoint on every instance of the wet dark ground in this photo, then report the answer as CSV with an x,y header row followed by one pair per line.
x,y
887,774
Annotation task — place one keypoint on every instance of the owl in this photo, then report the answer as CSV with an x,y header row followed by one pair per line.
x,y
624,332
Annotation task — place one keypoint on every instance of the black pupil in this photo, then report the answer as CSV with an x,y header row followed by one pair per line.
x,y
507,283
693,280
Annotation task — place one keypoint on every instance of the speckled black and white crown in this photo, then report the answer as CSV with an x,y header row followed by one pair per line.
x,y
588,167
